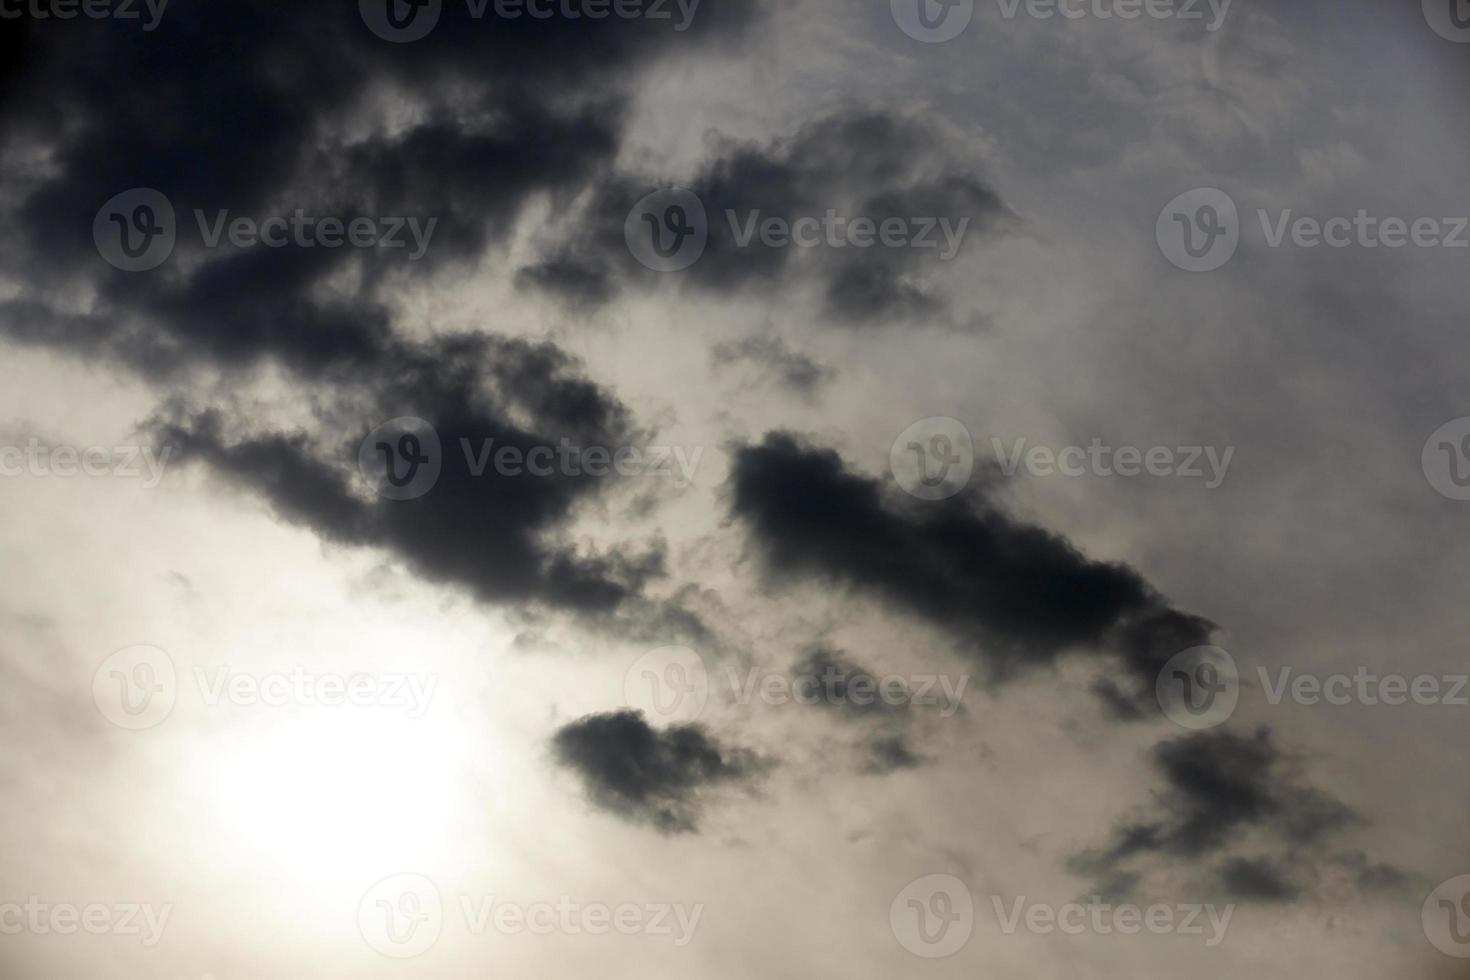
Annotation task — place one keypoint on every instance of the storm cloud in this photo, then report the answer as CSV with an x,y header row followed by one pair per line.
x,y
652,776
1014,595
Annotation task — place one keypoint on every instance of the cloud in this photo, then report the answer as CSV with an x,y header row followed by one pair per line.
x,y
660,778
318,116
830,680
1014,595
499,534
1258,880
773,362
891,753
467,126
855,164
1223,791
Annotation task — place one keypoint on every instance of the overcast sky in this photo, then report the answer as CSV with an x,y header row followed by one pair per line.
x,y
727,489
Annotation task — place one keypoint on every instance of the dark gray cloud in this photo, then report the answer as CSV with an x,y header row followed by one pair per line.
x,y
1222,791
772,361
650,776
858,164
498,534
828,679
825,677
891,753
261,111
1258,880
1014,595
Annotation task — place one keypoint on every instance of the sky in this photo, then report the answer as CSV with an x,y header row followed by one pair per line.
x,y
940,488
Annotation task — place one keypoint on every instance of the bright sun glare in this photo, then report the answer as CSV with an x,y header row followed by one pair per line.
x,y
315,794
